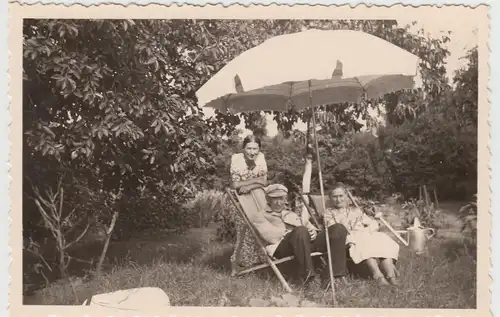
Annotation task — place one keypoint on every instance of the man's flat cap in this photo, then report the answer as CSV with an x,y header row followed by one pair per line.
x,y
276,190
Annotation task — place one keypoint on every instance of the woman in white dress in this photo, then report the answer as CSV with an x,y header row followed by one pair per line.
x,y
366,244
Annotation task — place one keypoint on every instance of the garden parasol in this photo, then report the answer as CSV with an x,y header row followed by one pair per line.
x,y
290,76
310,54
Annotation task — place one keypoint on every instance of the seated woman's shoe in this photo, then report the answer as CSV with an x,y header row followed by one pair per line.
x,y
381,280
393,280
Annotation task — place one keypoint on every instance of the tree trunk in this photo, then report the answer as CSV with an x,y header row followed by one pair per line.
x,y
62,255
62,264
106,245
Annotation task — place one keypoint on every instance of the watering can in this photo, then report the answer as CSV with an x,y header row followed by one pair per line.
x,y
418,236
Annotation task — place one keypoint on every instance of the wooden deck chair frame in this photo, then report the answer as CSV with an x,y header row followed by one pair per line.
x,y
270,262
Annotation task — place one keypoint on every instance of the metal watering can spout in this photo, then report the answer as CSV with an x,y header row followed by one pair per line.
x,y
416,222
418,236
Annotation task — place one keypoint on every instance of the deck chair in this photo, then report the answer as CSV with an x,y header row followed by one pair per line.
x,y
248,206
318,206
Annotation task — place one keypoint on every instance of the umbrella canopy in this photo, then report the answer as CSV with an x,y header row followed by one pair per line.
x,y
311,54
303,94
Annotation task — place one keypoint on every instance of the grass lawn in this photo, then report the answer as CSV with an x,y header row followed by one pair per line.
x,y
194,271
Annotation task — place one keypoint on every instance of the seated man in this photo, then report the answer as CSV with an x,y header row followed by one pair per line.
x,y
288,234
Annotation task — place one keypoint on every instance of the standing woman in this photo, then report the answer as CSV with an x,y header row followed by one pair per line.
x,y
248,172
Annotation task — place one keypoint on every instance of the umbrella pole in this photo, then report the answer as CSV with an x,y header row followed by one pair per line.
x,y
322,197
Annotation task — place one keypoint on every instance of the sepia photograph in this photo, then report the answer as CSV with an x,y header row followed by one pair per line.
x,y
258,162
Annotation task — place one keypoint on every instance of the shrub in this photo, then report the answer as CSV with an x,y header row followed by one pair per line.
x,y
206,206
468,214
427,214
226,232
150,211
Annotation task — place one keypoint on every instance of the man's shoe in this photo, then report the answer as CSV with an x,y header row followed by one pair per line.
x,y
311,284
338,280
325,283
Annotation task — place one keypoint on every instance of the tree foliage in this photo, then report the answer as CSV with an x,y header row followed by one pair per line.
x,y
115,96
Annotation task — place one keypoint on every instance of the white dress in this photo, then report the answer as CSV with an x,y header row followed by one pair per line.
x,y
367,241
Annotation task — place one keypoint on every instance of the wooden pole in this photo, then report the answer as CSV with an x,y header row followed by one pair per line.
x,y
322,197
436,198
426,195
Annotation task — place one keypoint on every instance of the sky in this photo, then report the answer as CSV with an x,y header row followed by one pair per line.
x,y
462,38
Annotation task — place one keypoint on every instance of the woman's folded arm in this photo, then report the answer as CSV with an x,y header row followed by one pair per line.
x,y
253,182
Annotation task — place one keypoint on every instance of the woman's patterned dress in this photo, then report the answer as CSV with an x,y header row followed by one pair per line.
x,y
246,251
